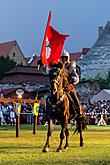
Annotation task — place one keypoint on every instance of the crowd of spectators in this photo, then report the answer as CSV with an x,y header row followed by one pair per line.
x,y
8,112
94,111
99,107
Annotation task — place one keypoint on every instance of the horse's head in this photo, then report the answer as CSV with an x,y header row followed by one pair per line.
x,y
55,75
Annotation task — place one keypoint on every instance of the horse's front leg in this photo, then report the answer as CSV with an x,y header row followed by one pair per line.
x,y
62,134
50,129
67,137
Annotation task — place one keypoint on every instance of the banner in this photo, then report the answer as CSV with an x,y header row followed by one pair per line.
x,y
19,108
52,45
36,108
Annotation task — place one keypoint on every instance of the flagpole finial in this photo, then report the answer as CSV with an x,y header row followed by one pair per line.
x,y
50,13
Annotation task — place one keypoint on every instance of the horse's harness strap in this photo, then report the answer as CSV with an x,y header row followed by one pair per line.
x,y
59,101
60,91
61,98
56,81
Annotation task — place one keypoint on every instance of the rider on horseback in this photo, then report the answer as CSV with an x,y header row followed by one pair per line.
x,y
63,103
74,74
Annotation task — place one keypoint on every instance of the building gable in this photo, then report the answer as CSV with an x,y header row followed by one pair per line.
x,y
75,56
97,60
6,47
12,50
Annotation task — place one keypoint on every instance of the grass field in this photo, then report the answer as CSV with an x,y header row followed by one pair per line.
x,y
27,149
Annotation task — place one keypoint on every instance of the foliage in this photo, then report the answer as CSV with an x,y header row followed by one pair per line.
x,y
6,64
104,83
27,149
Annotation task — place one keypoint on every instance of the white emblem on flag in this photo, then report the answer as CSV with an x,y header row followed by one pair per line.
x,y
48,49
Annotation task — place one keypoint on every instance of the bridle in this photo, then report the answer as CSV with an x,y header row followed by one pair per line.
x,y
56,81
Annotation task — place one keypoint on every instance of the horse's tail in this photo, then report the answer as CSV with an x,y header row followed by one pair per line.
x,y
81,124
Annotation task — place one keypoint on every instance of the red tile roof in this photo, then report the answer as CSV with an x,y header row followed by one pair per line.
x,y
24,69
34,61
6,47
85,50
25,74
75,56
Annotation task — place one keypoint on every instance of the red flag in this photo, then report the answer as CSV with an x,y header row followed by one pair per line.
x,y
52,45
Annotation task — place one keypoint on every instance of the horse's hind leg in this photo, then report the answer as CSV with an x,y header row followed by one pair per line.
x,y
81,139
67,136
50,129
80,132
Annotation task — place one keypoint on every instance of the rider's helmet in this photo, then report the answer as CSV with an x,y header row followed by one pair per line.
x,y
65,56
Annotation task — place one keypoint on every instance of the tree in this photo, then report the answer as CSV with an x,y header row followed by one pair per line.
x,y
104,83
6,64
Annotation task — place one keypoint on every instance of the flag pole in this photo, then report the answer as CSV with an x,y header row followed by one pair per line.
x,y
48,23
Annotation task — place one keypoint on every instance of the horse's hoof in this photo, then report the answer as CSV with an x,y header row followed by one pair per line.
x,y
59,150
66,147
45,149
81,144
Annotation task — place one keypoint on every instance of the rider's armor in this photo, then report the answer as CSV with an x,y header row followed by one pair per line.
x,y
73,78
73,73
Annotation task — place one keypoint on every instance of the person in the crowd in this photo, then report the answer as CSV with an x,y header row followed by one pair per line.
x,y
1,117
12,116
2,121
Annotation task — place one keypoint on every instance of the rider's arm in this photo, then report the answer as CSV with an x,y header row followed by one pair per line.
x,y
74,76
42,67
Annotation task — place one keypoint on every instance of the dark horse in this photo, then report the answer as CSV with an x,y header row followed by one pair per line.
x,y
59,106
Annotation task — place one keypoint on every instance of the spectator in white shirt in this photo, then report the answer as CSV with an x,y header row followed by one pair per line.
x,y
12,116
1,117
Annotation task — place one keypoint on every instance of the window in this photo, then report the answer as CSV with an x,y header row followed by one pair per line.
x,y
14,54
